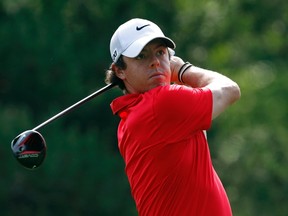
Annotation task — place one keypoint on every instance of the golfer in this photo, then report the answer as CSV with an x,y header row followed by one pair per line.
x,y
167,106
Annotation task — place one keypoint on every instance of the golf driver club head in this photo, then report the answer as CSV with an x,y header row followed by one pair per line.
x,y
29,148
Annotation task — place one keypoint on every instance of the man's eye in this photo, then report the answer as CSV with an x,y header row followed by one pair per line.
x,y
161,52
140,56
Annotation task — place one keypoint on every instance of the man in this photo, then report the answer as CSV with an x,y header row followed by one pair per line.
x,y
161,135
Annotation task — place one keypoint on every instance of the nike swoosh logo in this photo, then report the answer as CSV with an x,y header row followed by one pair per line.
x,y
139,28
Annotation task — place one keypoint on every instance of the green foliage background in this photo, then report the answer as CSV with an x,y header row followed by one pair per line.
x,y
54,53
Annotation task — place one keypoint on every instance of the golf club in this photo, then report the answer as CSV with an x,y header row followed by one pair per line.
x,y
29,147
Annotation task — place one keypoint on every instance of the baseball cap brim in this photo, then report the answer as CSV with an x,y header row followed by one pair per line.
x,y
137,46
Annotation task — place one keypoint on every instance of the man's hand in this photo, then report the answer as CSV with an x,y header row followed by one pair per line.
x,y
175,65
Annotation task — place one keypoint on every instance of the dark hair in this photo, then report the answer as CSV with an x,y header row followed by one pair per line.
x,y
111,76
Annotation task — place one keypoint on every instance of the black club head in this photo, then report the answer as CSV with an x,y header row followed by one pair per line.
x,y
29,148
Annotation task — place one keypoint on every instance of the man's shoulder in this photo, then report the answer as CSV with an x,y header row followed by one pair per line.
x,y
171,91
164,89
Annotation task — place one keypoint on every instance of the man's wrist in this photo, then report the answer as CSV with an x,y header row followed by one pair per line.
x,y
182,70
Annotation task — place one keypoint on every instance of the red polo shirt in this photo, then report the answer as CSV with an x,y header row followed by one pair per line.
x,y
167,157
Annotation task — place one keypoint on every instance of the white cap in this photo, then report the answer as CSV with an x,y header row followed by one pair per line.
x,y
131,37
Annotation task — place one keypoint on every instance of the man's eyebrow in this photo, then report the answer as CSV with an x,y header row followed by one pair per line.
x,y
156,46
161,45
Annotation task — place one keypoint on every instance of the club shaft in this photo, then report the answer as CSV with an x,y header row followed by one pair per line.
x,y
74,106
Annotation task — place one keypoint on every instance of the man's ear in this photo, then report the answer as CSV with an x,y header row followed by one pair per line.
x,y
118,71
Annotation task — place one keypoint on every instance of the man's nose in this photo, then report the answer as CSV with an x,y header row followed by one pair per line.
x,y
154,61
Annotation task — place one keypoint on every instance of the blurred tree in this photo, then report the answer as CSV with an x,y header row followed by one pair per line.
x,y
53,53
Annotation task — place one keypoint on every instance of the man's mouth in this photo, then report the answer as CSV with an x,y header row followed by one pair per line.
x,y
157,74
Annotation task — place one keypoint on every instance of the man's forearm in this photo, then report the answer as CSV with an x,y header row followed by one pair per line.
x,y
197,77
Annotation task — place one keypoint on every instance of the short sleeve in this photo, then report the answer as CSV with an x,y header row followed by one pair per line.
x,y
184,109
